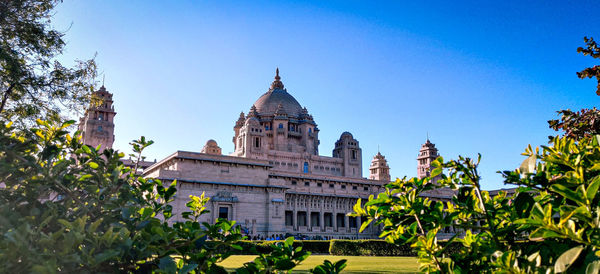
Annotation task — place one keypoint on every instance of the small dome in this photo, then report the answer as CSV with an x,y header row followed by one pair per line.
x,y
346,134
211,142
252,121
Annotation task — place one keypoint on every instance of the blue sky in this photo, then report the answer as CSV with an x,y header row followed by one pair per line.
x,y
479,77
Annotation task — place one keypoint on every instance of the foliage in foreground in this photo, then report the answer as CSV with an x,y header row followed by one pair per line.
x,y
555,210
66,207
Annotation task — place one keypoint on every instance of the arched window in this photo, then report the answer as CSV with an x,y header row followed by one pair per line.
x,y
280,125
305,167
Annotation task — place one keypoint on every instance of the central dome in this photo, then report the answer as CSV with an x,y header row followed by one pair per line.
x,y
268,103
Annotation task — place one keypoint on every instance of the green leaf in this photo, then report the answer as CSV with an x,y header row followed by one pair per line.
x,y
105,256
187,268
285,264
289,241
593,268
167,264
568,193
93,165
319,270
528,165
592,189
567,259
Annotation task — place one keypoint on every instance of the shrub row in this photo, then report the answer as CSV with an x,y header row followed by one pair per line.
x,y
338,247
368,248
262,247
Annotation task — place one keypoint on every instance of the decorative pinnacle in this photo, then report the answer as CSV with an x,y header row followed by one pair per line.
x,y
277,84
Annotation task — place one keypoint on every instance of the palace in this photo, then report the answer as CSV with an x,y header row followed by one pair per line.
x,y
275,182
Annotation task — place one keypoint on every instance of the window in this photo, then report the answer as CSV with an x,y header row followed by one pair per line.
x,y
352,222
340,220
305,167
306,183
366,188
331,186
319,184
301,218
314,219
99,128
293,182
328,219
223,212
354,187
354,154
280,125
343,186
289,218
309,130
257,142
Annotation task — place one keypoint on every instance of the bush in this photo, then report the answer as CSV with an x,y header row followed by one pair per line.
x,y
368,248
261,247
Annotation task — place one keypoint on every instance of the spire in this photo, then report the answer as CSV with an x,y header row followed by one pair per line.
x,y
277,84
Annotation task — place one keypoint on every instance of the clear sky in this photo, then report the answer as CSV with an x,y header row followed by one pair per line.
x,y
480,76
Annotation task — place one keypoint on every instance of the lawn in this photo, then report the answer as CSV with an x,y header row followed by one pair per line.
x,y
355,264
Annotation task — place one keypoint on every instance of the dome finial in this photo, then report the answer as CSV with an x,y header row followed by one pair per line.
x,y
277,84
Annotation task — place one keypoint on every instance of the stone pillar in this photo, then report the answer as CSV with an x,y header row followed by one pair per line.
x,y
346,223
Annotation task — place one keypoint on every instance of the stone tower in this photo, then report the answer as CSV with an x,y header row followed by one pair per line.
x,y
348,149
97,126
379,169
427,154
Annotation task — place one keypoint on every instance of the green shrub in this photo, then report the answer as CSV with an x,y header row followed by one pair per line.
x,y
261,247
368,248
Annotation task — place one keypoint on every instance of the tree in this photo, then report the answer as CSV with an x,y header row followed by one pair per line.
x,y
33,84
592,50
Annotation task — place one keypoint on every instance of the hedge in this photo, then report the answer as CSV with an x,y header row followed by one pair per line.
x,y
377,248
261,247
338,247
368,248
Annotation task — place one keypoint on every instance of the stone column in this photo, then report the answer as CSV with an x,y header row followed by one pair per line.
x,y
346,224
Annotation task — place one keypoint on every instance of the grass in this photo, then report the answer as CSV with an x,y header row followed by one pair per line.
x,y
355,264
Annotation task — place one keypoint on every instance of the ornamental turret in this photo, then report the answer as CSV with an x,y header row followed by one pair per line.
x,y
97,125
427,154
379,169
